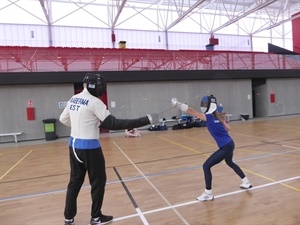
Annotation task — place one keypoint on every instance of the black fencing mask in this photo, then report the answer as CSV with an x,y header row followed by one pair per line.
x,y
96,84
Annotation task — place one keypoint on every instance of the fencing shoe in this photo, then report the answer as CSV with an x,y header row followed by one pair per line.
x,y
103,219
206,196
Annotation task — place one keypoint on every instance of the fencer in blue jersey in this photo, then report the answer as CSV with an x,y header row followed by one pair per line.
x,y
85,113
218,129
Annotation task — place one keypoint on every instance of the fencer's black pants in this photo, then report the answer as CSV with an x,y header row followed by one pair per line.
x,y
93,163
225,152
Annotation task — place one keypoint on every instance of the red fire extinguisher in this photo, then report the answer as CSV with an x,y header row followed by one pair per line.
x,y
272,97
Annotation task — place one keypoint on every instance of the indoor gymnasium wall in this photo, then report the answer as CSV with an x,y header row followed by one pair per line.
x,y
14,100
136,99
287,94
130,100
125,100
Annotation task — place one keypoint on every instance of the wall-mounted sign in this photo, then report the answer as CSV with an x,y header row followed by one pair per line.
x,y
62,105
29,103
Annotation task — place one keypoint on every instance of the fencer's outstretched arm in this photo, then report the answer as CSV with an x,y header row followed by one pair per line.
x,y
195,113
191,111
185,108
112,123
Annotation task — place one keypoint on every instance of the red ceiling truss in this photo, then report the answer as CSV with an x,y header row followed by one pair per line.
x,y
32,59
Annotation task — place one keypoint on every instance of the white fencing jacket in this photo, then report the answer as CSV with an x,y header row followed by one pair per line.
x,y
83,114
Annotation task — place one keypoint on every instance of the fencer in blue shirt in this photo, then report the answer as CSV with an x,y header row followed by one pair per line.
x,y
218,129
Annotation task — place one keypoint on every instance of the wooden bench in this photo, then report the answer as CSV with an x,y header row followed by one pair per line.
x,y
12,134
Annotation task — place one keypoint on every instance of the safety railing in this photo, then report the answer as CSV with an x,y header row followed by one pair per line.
x,y
31,59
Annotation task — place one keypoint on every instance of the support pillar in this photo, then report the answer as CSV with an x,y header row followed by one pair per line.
x,y
296,32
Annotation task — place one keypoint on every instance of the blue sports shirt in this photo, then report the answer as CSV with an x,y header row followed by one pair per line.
x,y
217,130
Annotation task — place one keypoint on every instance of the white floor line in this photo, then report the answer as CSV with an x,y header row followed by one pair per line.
x,y
125,217
264,155
216,197
287,146
141,215
257,187
136,178
152,185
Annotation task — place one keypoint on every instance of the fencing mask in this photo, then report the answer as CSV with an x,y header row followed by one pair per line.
x,y
208,104
96,84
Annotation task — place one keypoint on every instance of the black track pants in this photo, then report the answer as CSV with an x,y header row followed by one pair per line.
x,y
225,152
93,162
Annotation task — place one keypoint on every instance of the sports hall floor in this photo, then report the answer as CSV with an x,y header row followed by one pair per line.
x,y
155,179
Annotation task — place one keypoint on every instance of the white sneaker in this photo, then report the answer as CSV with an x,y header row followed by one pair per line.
x,y
245,185
205,197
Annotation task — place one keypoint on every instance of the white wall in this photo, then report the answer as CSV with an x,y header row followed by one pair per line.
x,y
89,37
24,35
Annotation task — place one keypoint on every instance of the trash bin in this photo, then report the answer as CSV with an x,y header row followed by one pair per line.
x,y
244,117
209,47
50,131
122,44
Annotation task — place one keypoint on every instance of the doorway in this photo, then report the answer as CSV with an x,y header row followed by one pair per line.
x,y
259,98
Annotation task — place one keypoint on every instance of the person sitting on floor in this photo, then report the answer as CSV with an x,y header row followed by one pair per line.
x,y
132,132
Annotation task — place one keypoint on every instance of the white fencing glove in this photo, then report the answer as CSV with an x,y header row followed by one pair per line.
x,y
175,103
153,118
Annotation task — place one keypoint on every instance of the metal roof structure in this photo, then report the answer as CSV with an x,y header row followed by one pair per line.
x,y
237,17
246,17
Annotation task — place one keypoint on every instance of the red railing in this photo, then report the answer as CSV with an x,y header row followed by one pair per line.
x,y
32,59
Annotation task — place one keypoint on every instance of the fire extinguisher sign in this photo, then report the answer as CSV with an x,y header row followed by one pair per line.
x,y
29,103
272,96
